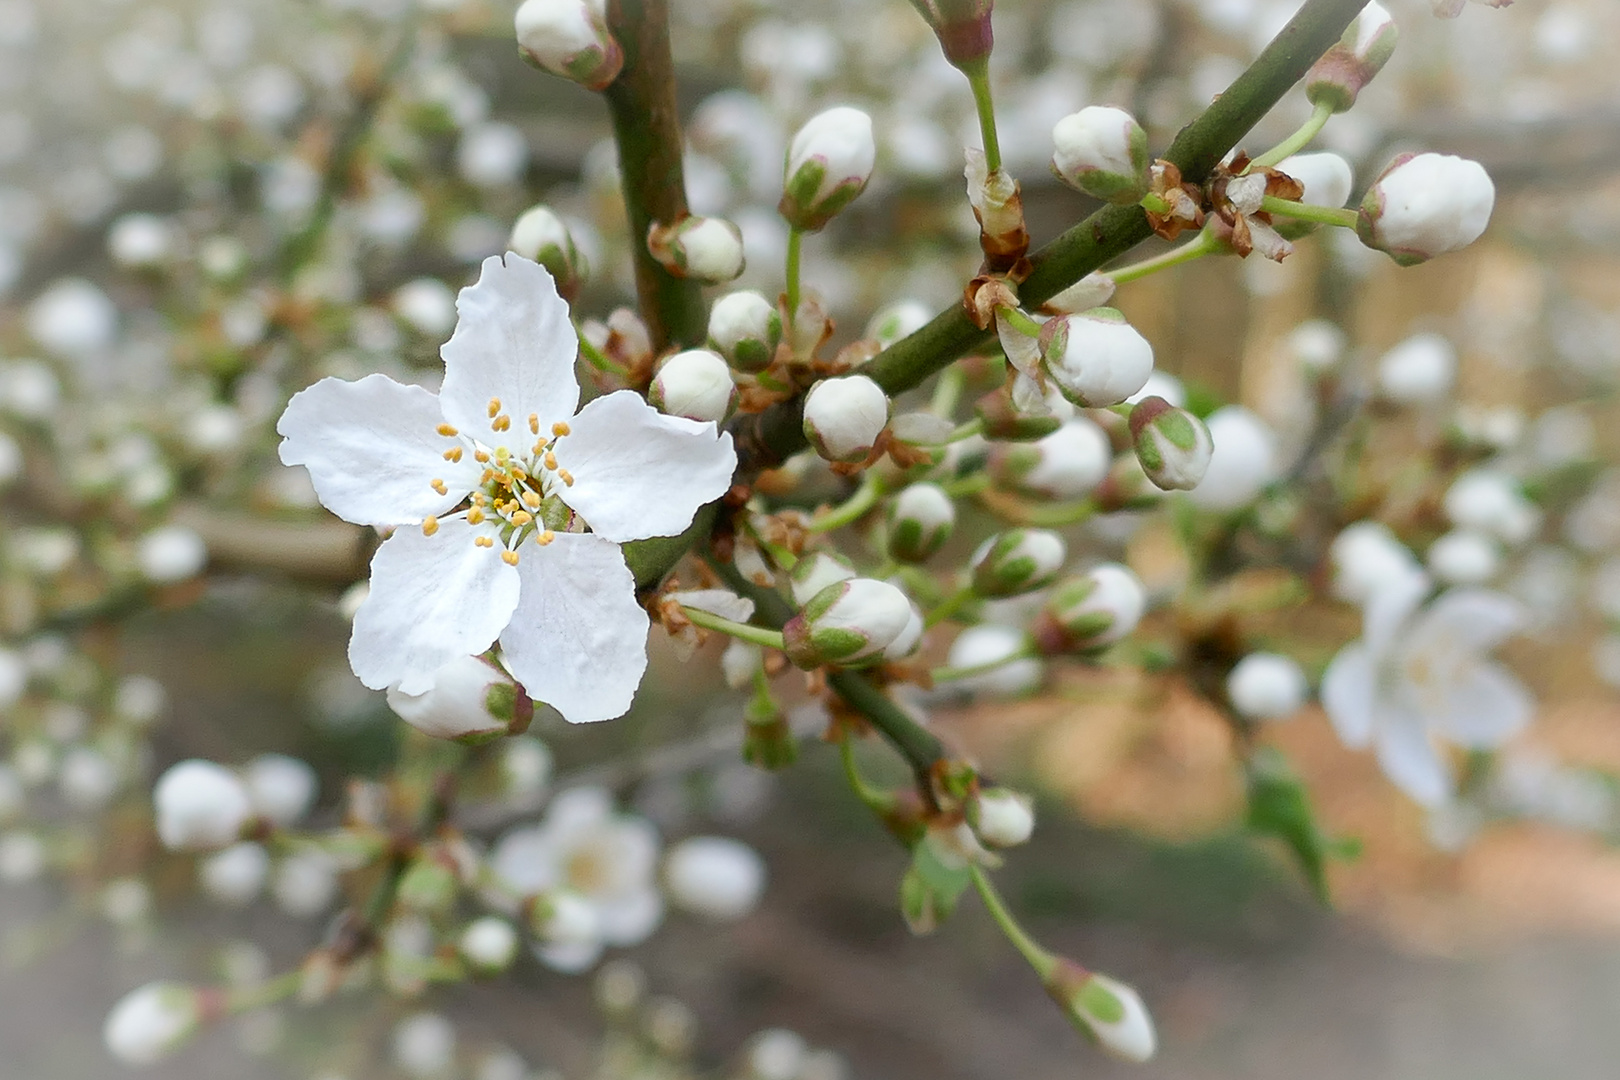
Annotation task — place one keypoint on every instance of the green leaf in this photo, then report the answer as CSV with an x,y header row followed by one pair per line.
x,y
930,890
1280,807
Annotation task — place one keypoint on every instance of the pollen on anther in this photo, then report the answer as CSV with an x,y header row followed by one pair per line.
x,y
439,486
510,558
494,407
446,430
522,518
567,477
551,461
430,525
483,542
534,423
559,429
453,454
501,422
531,500
475,516
481,456
545,538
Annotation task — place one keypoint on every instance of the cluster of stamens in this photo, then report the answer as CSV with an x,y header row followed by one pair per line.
x,y
511,489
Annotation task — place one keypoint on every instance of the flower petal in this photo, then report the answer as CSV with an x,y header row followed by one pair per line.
x,y
433,599
630,918
513,343
372,451
578,641
638,473
1411,761
1389,607
1350,694
1477,620
1484,708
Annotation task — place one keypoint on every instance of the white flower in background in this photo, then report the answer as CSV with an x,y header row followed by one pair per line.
x,y
149,1022
1366,556
489,943
988,646
235,875
1242,463
1418,371
1464,557
170,554
490,483
1002,817
1317,345
714,876
282,788
1492,502
1267,686
585,849
1419,677
200,806
73,318
424,1046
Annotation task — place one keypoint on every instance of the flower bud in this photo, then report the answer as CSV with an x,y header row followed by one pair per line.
x,y
1317,345
540,235
909,639
815,571
1005,421
1327,180
1172,444
1351,63
1242,463
429,885
282,788
1492,502
1103,152
1096,358
150,1022
828,164
569,38
1266,686
921,518
470,701
170,554
714,876
489,944
200,806
846,622
708,250
843,417
140,241
1003,818
1418,370
745,328
963,29
1367,556
1067,464
1105,1010
1087,612
989,646
1017,561
235,875
1464,557
1425,205
695,384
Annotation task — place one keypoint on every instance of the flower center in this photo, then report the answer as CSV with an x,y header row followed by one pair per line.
x,y
516,493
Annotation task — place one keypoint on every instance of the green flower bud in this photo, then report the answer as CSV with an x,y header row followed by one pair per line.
x,y
1017,561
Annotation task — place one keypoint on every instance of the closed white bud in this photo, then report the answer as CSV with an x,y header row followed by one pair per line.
x,y
1087,612
236,875
843,417
539,234
469,701
282,788
1418,371
1266,686
140,241
1102,151
1327,179
1173,445
1096,358
828,164
569,38
1464,557
150,1022
1366,556
1017,561
1492,502
921,518
200,806
1317,346
1067,464
1367,44
714,876
170,554
424,1045
1425,205
1104,1009
709,250
1243,462
989,646
815,571
695,384
490,944
745,328
846,623
909,639
1003,818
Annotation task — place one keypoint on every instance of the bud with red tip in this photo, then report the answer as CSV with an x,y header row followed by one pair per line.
x,y
1172,444
828,164
1367,44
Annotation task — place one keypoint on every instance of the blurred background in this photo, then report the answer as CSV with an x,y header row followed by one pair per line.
x,y
206,204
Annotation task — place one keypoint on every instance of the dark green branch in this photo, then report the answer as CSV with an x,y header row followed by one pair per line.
x,y
647,129
766,439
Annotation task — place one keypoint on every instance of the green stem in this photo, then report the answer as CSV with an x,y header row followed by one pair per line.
x,y
948,606
1204,244
1045,515
1042,961
647,130
1298,140
795,245
595,357
965,431
953,674
879,802
1020,322
978,75
853,509
1327,215
280,988
966,485
947,392
758,635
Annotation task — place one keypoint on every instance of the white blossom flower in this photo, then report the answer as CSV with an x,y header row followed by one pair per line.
x,y
1419,676
714,876
497,477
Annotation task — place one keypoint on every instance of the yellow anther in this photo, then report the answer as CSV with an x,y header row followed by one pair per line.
x,y
502,453
551,461
489,474
534,423
480,499
438,485
559,429
531,500
539,448
494,407
567,477
522,518
483,541
430,525
475,516
481,456
545,538
453,454
501,422
510,558
446,430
